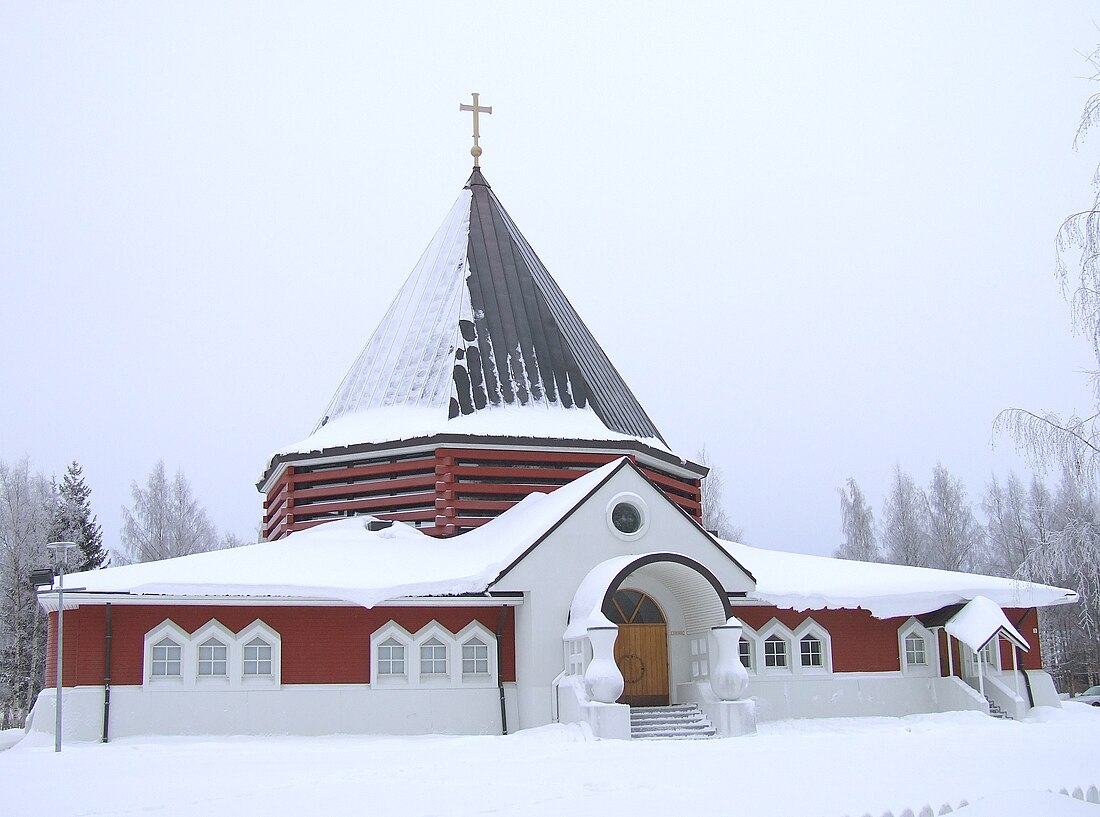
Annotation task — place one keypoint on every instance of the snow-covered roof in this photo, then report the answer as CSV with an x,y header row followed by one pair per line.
x,y
978,621
344,561
802,582
392,423
479,325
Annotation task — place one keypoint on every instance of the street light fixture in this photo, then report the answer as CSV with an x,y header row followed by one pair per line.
x,y
60,551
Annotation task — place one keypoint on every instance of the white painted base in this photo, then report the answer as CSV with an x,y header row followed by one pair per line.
x,y
1042,688
848,695
292,710
730,719
609,721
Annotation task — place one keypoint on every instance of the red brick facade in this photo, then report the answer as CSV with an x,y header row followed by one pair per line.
x,y
320,645
862,643
331,645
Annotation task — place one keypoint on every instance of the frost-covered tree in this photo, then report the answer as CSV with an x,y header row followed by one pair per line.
x,y
955,539
1018,520
166,520
1053,439
715,517
905,537
1072,441
1071,558
26,506
857,521
73,521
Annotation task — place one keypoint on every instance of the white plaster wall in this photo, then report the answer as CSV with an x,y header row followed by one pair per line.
x,y
1000,687
857,694
291,710
550,574
1043,691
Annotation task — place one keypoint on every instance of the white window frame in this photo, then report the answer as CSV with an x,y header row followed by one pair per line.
x,y
931,669
216,630
699,647
189,643
454,677
991,660
167,629
258,629
475,629
438,657
170,658
386,660
755,650
811,628
774,629
412,656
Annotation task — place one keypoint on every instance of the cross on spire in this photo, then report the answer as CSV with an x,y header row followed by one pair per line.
x,y
476,109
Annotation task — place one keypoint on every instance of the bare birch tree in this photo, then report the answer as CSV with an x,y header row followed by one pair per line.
x,y
955,539
166,520
905,522
1072,441
1047,437
715,516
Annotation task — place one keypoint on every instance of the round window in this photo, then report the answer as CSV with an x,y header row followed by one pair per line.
x,y
626,518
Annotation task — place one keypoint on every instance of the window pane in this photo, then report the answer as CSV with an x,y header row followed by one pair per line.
x,y
167,658
433,657
257,657
811,651
391,657
744,648
914,650
475,656
775,652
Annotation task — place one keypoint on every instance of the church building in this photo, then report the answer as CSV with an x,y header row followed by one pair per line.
x,y
487,532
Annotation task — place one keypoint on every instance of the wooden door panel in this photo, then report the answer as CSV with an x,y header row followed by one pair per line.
x,y
641,653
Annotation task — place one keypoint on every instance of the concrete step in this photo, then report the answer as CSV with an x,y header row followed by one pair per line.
x,y
677,722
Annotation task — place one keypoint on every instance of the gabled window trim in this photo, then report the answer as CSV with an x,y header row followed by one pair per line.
x,y
454,677
259,629
189,643
214,629
412,656
774,629
475,629
811,628
931,668
167,629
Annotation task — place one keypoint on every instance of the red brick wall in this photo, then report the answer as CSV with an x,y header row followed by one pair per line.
x,y
1026,621
320,645
860,643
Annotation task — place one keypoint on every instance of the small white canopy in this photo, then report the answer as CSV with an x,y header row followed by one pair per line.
x,y
979,621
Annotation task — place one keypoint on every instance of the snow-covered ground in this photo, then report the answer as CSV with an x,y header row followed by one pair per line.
x,y
812,767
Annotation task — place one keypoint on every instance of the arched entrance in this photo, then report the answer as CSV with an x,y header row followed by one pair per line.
x,y
641,649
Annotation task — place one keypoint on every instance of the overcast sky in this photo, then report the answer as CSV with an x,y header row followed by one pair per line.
x,y
816,238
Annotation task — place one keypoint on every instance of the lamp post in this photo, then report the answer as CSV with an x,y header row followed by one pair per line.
x,y
61,552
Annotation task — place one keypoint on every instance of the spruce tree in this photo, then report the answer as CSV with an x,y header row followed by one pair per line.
x,y
73,521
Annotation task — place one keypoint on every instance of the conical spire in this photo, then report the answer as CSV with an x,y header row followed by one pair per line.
x,y
480,324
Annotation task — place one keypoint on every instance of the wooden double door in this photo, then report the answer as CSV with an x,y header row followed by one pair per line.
x,y
641,648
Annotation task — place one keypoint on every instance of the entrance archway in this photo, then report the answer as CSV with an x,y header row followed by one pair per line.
x,y
641,649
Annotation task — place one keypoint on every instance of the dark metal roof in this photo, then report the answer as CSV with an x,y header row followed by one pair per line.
x,y
526,342
480,323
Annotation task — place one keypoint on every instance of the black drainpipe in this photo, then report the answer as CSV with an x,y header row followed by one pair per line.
x,y
500,670
107,678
